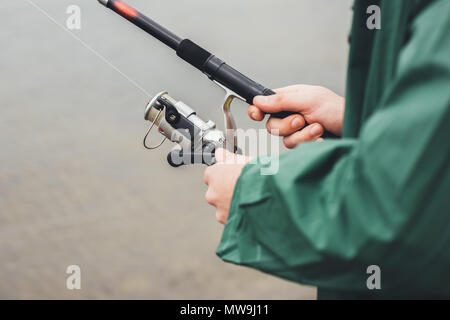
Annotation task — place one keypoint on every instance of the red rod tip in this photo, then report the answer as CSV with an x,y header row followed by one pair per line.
x,y
125,9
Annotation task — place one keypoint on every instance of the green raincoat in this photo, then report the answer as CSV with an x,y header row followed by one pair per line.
x,y
378,196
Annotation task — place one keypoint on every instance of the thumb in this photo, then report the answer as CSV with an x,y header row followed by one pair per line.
x,y
282,101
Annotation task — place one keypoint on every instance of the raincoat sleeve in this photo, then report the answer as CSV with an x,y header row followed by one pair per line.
x,y
334,208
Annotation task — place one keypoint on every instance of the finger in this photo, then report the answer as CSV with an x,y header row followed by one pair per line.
x,y
210,197
309,133
290,101
286,126
255,113
258,115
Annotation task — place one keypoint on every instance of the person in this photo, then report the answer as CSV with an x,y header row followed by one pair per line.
x,y
366,215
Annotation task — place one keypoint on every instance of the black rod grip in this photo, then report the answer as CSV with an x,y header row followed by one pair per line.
x,y
221,72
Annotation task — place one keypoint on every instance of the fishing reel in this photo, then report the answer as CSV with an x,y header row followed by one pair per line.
x,y
196,139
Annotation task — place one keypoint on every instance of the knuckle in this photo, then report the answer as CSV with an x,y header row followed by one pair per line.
x,y
220,217
302,121
210,199
278,99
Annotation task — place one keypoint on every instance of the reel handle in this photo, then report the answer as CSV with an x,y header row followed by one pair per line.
x,y
174,157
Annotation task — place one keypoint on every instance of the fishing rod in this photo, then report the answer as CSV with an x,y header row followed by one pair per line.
x,y
196,139
237,84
